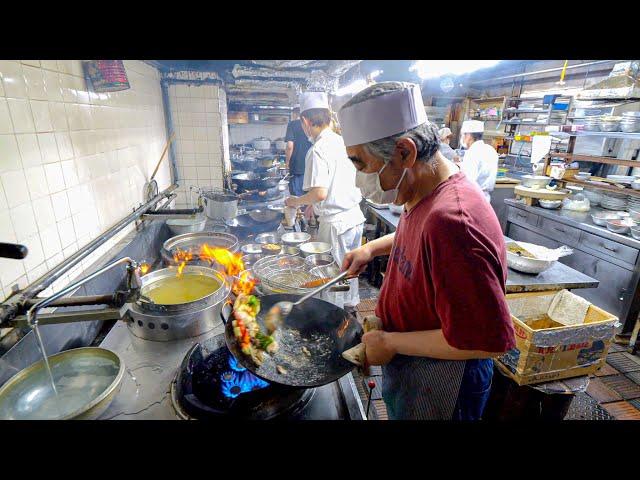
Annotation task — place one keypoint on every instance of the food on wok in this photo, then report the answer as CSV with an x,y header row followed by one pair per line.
x,y
315,283
246,330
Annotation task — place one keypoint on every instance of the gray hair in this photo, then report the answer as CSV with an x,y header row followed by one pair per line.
x,y
425,136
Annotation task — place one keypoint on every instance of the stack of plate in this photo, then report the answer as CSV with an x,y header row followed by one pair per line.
x,y
614,201
634,203
623,179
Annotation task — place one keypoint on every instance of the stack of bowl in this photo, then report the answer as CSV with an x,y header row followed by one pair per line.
x,y
630,122
608,123
592,124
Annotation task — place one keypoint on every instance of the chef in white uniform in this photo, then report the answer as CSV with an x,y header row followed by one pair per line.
x,y
330,183
480,160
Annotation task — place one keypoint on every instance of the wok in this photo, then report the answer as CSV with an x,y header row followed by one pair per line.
x,y
254,181
246,224
324,329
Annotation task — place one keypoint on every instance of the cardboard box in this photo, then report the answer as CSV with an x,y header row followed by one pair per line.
x,y
558,335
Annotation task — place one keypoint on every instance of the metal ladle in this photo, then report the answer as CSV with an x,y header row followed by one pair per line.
x,y
286,307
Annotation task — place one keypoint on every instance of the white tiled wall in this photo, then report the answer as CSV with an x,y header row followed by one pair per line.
x,y
199,115
72,162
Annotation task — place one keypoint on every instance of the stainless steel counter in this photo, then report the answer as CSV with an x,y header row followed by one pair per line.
x,y
559,276
611,258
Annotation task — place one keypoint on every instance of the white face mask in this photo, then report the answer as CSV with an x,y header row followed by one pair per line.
x,y
388,196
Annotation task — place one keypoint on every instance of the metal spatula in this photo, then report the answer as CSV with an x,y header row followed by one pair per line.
x,y
283,309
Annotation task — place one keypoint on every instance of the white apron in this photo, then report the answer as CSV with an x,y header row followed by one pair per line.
x,y
344,233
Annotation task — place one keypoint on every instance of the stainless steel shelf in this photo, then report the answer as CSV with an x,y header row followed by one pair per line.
x,y
629,136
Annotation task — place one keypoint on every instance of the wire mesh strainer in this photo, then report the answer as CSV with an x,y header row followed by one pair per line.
x,y
283,274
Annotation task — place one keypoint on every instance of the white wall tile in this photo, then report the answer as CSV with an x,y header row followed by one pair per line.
x,y
48,147
12,78
41,116
53,86
50,241
49,65
35,63
43,211
5,118
58,116
7,233
37,182
29,149
55,178
9,153
15,188
35,256
65,149
60,205
69,172
21,115
34,80
66,232
10,271
24,221
3,199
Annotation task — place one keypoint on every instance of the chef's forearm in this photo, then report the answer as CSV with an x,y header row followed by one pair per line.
x,y
380,246
433,344
315,195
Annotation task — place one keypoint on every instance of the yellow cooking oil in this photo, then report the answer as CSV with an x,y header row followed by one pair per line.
x,y
185,288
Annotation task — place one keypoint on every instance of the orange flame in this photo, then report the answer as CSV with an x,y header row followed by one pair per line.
x,y
144,268
232,262
244,284
183,257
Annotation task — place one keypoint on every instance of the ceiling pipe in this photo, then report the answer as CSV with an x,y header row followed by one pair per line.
x,y
538,72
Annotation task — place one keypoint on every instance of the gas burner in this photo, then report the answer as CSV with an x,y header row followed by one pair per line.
x,y
212,384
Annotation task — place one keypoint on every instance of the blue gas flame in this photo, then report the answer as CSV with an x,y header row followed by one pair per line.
x,y
238,380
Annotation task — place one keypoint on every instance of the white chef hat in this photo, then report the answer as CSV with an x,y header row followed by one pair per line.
x,y
309,100
472,126
382,116
444,132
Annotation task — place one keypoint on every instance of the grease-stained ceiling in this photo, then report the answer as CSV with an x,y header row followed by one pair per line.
x,y
267,83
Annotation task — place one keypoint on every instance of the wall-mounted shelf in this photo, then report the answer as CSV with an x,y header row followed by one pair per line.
x,y
623,191
592,158
582,133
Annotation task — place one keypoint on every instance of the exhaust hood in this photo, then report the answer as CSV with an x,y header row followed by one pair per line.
x,y
622,83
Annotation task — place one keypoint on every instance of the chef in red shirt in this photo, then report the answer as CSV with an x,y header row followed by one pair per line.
x,y
442,303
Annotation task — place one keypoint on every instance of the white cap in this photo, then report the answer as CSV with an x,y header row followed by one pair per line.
x,y
472,126
444,132
309,100
382,116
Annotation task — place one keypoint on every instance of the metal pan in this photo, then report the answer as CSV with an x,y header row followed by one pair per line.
x,y
254,181
324,329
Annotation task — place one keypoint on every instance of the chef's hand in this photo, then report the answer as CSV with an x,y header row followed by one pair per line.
x,y
291,201
308,212
355,262
378,348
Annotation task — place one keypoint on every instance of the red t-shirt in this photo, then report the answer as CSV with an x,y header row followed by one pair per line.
x,y
448,269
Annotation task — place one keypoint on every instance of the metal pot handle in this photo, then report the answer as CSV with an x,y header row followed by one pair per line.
x,y
226,306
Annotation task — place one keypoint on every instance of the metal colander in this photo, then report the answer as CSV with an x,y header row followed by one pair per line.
x,y
283,274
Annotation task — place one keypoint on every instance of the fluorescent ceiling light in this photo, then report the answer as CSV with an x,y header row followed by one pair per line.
x,y
437,68
352,88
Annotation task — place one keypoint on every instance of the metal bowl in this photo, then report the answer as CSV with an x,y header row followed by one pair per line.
x,y
535,181
180,226
250,248
550,204
527,265
601,218
264,216
290,250
264,238
635,232
311,248
192,242
619,226
319,260
87,380
609,126
295,238
271,251
250,258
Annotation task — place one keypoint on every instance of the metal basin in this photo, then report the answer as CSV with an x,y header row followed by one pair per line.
x,y
192,242
180,226
535,181
162,323
295,239
311,248
87,380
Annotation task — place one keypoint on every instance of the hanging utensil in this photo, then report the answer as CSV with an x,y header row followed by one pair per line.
x,y
164,152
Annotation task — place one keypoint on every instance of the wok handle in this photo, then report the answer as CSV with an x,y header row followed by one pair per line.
x,y
222,313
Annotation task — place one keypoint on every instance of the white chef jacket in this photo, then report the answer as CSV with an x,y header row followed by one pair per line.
x,y
328,166
480,164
